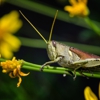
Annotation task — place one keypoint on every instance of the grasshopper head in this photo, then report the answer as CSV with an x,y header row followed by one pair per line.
x,y
51,50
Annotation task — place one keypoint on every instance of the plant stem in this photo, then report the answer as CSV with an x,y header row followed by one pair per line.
x,y
38,43
92,25
52,69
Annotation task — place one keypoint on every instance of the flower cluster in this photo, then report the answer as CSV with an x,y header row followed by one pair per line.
x,y
13,67
78,8
9,24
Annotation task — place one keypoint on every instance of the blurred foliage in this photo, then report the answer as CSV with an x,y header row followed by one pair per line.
x,y
74,31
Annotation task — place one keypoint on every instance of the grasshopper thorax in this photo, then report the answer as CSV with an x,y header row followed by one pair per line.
x,y
51,50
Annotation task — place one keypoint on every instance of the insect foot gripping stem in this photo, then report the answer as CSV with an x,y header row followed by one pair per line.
x,y
78,66
74,72
50,62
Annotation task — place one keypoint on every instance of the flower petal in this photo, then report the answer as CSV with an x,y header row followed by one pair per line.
x,y
73,2
11,75
84,1
19,81
23,74
4,71
10,22
89,95
70,10
15,72
5,50
14,42
77,8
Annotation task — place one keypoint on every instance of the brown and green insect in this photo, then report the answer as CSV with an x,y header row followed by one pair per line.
x,y
67,56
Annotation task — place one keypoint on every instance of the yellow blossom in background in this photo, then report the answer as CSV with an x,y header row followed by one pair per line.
x,y
13,67
89,95
9,24
77,8
2,1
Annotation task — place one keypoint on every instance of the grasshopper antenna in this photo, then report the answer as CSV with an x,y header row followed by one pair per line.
x,y
34,27
53,26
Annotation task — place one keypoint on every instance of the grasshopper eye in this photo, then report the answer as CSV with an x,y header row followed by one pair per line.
x,y
54,43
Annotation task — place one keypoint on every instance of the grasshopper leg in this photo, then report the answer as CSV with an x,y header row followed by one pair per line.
x,y
83,75
79,65
74,72
82,62
50,62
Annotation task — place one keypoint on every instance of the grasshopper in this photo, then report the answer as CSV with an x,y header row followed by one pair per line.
x,y
66,56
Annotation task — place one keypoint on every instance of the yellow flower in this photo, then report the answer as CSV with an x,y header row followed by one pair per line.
x,y
2,1
9,24
89,95
78,8
13,67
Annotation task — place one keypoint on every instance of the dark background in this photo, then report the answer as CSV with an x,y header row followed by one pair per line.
x,y
48,86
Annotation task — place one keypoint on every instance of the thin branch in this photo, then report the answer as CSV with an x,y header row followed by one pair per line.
x,y
92,25
38,43
53,69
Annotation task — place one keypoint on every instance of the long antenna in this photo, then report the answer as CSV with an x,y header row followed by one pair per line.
x,y
34,27
52,26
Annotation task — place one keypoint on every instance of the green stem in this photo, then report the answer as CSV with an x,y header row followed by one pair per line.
x,y
40,8
38,43
52,69
92,25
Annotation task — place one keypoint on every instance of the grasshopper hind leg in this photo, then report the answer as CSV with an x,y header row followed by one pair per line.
x,y
78,65
87,70
74,72
84,75
81,73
